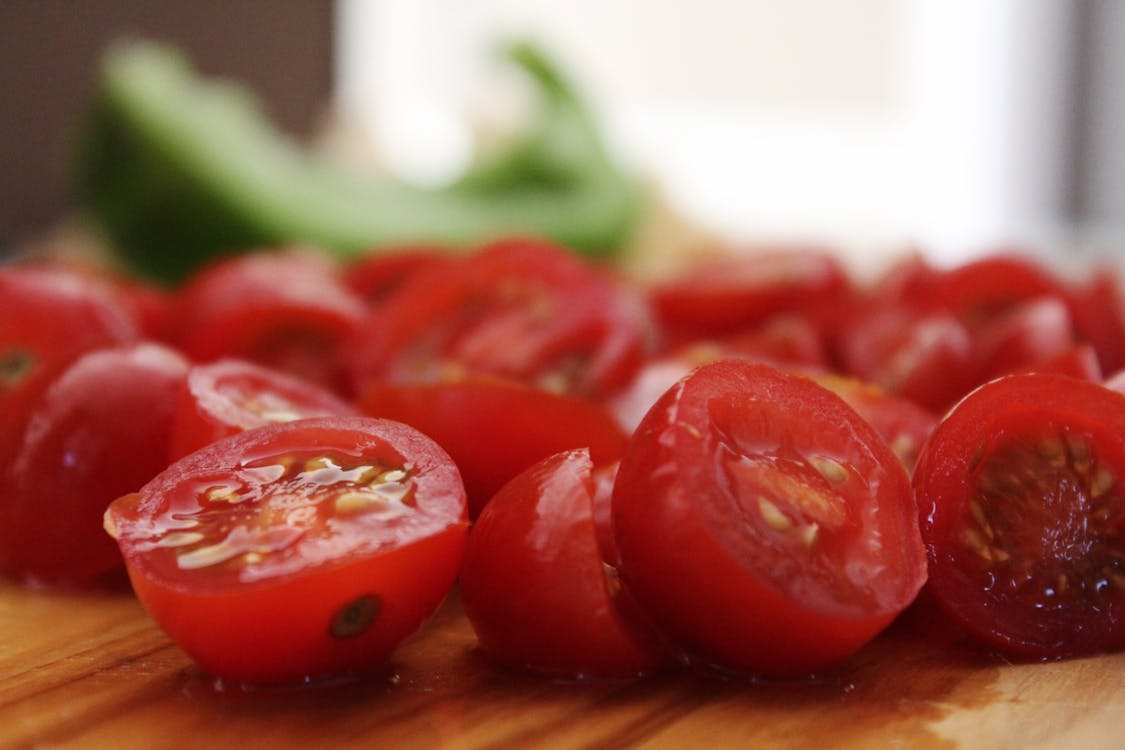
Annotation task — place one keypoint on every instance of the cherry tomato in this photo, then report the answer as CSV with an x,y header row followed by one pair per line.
x,y
494,428
100,430
1023,517
762,524
1080,361
232,395
284,310
904,425
376,276
536,587
1030,332
721,295
298,550
1099,316
518,309
977,291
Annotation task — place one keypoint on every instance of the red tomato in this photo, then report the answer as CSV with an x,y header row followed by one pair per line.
x,y
537,589
925,357
977,291
287,311
232,395
100,430
1079,361
762,524
376,276
1023,517
518,309
298,550
1099,316
1030,332
494,429
719,296
904,425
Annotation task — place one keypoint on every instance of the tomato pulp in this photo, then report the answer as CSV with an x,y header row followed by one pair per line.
x,y
1023,515
299,550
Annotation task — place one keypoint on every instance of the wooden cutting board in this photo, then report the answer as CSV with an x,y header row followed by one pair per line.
x,y
94,671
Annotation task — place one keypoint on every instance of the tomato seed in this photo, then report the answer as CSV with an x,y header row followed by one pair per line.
x,y
831,470
180,539
15,364
773,516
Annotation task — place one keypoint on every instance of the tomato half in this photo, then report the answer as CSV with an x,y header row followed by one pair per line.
x,y
377,275
232,395
535,585
284,310
1023,515
519,309
299,550
494,428
100,430
762,524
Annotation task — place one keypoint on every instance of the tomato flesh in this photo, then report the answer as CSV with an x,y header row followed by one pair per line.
x,y
1023,515
298,550
762,524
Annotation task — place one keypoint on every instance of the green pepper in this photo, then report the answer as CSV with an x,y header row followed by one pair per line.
x,y
179,171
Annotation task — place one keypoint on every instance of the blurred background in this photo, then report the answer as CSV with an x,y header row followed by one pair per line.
x,y
952,125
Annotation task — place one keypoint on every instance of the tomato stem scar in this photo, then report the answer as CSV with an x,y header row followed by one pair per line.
x,y
355,617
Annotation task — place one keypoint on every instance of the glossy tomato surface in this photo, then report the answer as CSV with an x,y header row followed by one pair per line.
x,y
535,585
299,550
229,396
495,428
101,430
285,310
519,309
762,524
1022,512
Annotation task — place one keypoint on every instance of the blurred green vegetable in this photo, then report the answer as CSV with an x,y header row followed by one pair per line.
x,y
179,171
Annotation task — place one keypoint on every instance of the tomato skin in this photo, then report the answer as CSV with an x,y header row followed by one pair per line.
x,y
100,430
216,400
1048,522
285,310
494,428
535,585
376,276
1099,316
705,569
520,309
978,291
1033,331
274,620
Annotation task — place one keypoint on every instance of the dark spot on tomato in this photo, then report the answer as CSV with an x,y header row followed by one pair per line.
x,y
15,364
355,617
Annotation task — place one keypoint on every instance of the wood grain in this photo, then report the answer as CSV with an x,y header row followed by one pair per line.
x,y
93,671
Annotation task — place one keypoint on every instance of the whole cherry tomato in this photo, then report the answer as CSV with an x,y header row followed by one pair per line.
x,y
536,586
100,430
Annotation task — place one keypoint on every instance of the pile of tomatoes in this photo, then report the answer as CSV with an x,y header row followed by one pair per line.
x,y
754,465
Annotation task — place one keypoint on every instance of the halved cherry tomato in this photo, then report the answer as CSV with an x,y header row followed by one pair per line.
x,y
519,309
495,428
1099,316
100,430
298,550
1030,332
904,425
1023,515
285,310
377,275
725,294
762,524
977,291
232,395
536,587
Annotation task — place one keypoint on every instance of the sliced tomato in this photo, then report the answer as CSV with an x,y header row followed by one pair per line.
x,y
519,309
495,428
762,524
376,276
904,425
1099,315
977,291
1031,332
285,310
229,396
724,294
1079,361
100,430
536,587
1021,503
296,551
